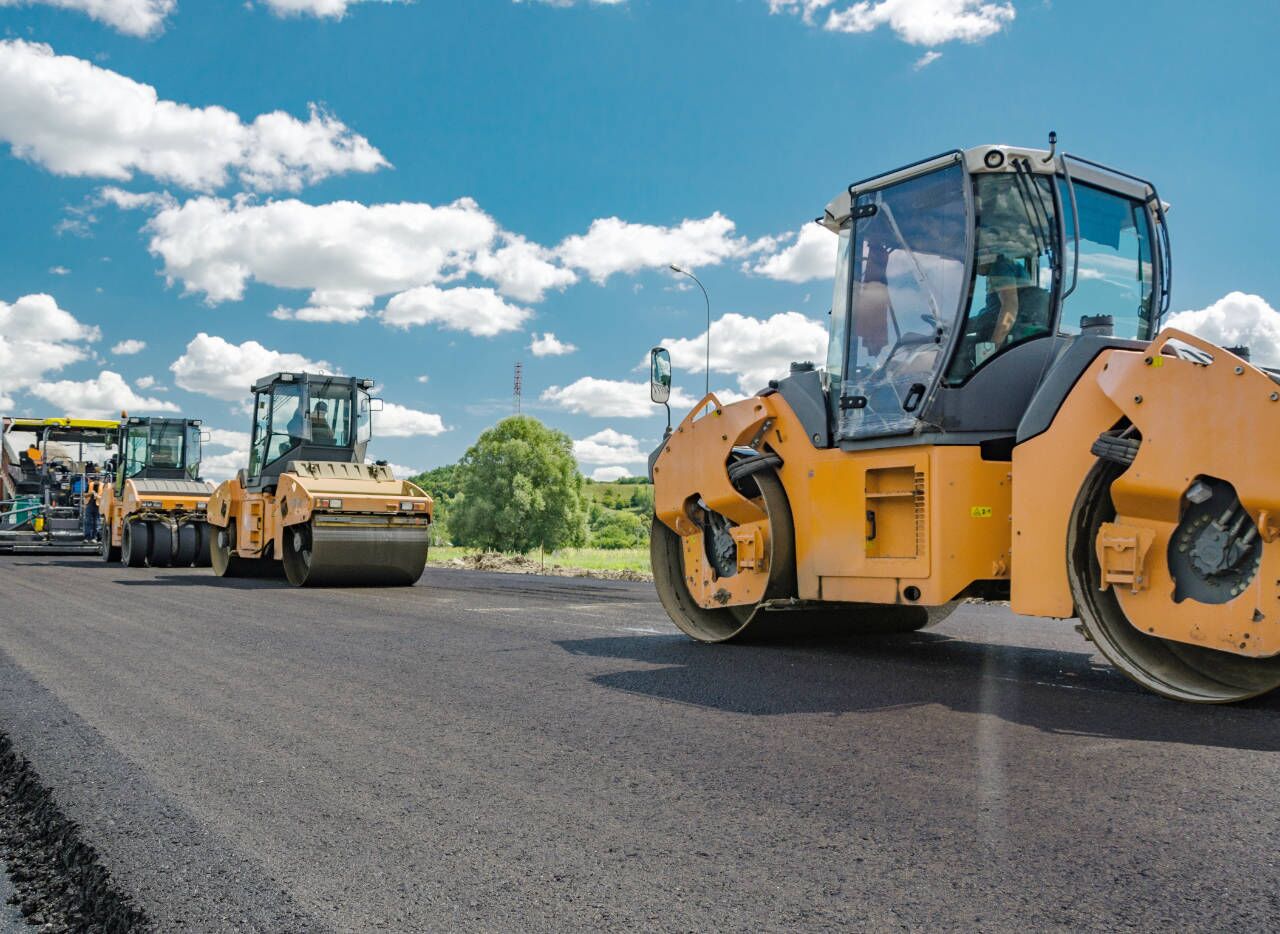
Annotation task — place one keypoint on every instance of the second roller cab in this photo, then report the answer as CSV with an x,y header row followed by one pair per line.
x,y
308,507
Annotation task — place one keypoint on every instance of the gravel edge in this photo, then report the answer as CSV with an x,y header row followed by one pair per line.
x,y
59,882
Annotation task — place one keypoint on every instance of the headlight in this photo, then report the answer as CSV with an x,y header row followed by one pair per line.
x,y
150,504
406,505
329,503
202,505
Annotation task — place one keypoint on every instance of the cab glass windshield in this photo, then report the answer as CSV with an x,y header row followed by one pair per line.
x,y
907,256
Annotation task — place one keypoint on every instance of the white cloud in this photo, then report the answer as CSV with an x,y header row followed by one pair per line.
x,y
612,245
223,438
324,9
74,118
424,378
216,246
522,269
398,421
609,474
481,312
755,350
927,59
548,345
610,398
145,382
330,305
132,17
36,338
609,447
215,367
919,22
1236,319
59,270
811,255
127,347
105,396
134,200
218,467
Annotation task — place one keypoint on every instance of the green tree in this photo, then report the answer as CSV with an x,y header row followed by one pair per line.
x,y
519,489
618,529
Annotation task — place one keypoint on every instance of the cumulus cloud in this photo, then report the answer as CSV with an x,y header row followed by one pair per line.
x,y
128,347
481,312
330,305
522,269
324,9
105,396
810,255
131,17
145,382
1237,319
612,245
37,338
609,474
548,345
755,350
398,421
215,367
73,118
609,447
918,22
610,398
216,246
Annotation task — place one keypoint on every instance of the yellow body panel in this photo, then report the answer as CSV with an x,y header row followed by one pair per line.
x,y
115,510
941,515
365,490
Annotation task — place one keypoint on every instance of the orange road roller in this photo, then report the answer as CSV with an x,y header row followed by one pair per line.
x,y
1002,415
153,508
308,506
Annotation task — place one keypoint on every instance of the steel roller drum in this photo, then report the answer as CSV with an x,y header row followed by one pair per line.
x,y
317,555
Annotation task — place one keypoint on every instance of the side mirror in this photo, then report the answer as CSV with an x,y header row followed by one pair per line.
x,y
205,437
375,405
659,375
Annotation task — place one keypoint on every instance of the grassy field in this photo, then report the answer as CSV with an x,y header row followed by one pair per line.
x,y
591,559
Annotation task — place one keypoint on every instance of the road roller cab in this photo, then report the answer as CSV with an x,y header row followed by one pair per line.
x,y
153,508
999,415
308,506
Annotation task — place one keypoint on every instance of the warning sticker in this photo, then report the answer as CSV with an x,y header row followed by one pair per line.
x,y
981,512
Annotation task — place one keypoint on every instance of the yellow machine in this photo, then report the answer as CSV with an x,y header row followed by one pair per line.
x,y
1000,415
308,505
153,509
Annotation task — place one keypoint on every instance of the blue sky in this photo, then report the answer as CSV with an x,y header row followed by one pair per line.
x,y
439,183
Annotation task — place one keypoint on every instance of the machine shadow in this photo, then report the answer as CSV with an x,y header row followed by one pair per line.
x,y
1053,691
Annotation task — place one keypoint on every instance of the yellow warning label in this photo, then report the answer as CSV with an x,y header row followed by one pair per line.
x,y
981,512
1157,360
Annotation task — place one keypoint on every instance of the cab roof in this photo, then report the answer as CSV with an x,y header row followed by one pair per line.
x,y
266,382
991,158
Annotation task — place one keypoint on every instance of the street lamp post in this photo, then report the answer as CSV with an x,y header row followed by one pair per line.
x,y
707,299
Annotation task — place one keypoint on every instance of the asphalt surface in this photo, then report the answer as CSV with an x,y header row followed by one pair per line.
x,y
499,752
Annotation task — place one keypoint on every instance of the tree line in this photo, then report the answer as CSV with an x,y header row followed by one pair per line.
x,y
518,489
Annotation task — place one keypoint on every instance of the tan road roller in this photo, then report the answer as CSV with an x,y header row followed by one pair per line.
x,y
1000,414
308,506
153,509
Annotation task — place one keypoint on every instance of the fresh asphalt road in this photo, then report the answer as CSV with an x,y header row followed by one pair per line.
x,y
499,752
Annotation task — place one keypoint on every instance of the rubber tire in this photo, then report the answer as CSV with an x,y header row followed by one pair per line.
x,y
135,543
110,553
666,553
297,562
1172,669
184,555
226,563
205,531
160,554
